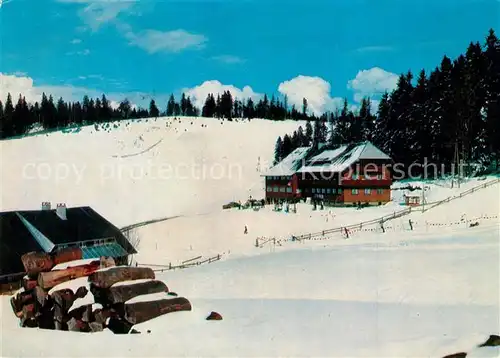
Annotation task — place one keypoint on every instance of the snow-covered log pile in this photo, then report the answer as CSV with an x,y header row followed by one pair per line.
x,y
64,292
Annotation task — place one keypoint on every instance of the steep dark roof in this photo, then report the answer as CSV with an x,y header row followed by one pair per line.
x,y
81,224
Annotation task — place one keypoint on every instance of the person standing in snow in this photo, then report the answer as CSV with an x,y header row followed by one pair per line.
x,y
246,230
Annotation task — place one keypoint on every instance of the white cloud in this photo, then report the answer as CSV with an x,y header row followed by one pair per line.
x,y
374,81
375,49
315,89
85,52
229,59
154,41
199,93
76,41
99,12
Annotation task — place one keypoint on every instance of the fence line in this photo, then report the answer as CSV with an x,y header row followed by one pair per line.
x,y
380,220
412,225
184,265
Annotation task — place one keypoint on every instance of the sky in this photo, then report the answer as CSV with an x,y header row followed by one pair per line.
x,y
324,50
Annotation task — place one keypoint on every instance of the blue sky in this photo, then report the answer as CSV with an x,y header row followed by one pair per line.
x,y
151,48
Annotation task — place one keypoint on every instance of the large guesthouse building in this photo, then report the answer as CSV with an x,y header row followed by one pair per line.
x,y
350,174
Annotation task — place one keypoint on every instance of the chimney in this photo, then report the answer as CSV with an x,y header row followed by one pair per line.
x,y
61,211
46,205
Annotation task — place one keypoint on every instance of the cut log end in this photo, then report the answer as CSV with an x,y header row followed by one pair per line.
x,y
106,279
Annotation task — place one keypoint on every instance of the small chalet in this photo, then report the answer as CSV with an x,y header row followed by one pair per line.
x,y
350,174
49,230
412,199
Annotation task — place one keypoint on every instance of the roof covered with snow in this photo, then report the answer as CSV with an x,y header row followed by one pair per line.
x,y
42,230
290,164
338,160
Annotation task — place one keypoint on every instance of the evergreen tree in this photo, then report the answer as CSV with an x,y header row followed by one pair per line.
x,y
287,145
367,120
342,131
492,100
62,113
210,106
278,151
153,109
106,112
249,109
171,106
177,109
309,133
125,109
301,138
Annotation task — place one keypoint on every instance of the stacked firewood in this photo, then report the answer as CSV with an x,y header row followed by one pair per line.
x,y
66,293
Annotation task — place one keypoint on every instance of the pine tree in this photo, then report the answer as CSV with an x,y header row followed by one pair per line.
x,y
301,138
171,106
492,100
342,131
249,109
278,151
153,109
309,133
209,108
106,110
304,108
125,110
177,109
367,120
62,113
287,145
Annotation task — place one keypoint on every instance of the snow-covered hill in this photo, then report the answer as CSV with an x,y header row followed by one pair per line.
x,y
141,169
435,295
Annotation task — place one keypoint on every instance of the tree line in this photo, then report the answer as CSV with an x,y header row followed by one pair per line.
x,y
448,116
47,114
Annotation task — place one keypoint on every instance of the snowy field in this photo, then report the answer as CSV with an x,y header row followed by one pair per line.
x,y
222,232
423,293
143,169
400,295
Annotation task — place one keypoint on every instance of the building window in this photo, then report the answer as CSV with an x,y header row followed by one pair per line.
x,y
339,191
275,189
282,189
323,191
380,191
379,176
355,191
355,177
288,190
269,188
368,191
313,190
328,190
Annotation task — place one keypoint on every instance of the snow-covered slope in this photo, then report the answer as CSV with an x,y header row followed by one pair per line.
x,y
435,295
222,232
142,169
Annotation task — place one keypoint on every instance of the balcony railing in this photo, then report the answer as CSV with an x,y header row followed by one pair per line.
x,y
365,183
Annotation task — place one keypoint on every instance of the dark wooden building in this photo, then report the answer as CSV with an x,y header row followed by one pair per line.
x,y
49,230
350,174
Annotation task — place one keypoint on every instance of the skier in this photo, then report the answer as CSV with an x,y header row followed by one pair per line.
x,y
246,230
